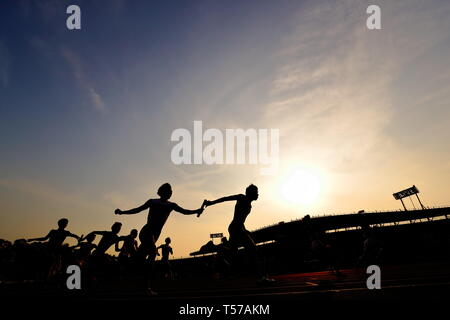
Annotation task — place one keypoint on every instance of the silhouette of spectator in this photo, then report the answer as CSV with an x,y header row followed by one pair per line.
x,y
208,247
372,249
239,235
324,252
166,250
159,211
222,263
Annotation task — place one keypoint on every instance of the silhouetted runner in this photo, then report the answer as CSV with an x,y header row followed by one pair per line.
x,y
238,234
129,246
56,237
101,264
85,248
166,250
55,242
159,211
108,239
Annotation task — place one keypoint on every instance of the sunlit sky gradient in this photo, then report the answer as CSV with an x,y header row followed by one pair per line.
x,y
86,116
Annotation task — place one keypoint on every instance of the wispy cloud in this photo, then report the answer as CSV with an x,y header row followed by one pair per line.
x,y
96,100
83,80
332,93
325,96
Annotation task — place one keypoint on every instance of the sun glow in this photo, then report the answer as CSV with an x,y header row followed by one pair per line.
x,y
302,186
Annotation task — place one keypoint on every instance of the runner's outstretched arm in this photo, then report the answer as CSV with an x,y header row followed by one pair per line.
x,y
229,198
39,239
133,211
100,233
179,209
75,236
79,242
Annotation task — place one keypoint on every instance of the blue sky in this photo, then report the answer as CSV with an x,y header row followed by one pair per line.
x,y
86,116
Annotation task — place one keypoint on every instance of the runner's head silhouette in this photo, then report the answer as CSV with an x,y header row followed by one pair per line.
x,y
252,192
168,241
62,223
165,191
115,228
90,237
134,233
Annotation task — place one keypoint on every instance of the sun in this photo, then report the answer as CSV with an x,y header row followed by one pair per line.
x,y
302,187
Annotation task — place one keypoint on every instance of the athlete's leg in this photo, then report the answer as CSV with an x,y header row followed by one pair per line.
x,y
143,248
235,238
252,252
146,249
234,243
239,236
